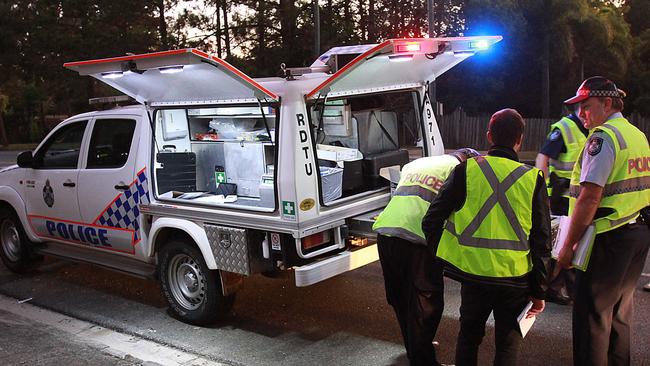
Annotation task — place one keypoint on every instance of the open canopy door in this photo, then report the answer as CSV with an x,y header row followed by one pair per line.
x,y
399,64
186,76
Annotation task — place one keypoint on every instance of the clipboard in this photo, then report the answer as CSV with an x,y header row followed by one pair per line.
x,y
585,244
525,323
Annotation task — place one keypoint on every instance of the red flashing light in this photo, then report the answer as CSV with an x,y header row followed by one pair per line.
x,y
407,47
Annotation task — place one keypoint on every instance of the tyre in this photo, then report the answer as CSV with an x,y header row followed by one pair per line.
x,y
192,291
15,248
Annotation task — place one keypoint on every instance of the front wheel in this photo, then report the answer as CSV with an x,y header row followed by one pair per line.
x,y
15,247
192,290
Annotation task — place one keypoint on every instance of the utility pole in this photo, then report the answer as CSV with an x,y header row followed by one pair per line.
x,y
546,53
316,29
431,20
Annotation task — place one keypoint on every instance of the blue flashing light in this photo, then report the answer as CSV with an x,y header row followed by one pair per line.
x,y
481,44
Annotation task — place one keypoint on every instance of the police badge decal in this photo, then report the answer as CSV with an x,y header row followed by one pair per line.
x,y
594,145
48,194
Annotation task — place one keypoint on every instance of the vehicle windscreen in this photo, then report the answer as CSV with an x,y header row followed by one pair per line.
x,y
357,136
217,156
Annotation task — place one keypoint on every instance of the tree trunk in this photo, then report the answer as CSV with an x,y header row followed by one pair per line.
x,y
287,26
545,79
3,132
372,35
363,22
226,29
581,71
162,24
261,35
218,30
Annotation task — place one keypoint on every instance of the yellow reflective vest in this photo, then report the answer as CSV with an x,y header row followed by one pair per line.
x,y
420,181
627,190
488,236
574,140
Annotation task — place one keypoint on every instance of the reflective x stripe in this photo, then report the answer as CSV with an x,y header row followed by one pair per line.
x,y
619,135
636,184
423,193
484,243
498,196
566,166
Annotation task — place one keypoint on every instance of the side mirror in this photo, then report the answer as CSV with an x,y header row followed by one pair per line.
x,y
25,159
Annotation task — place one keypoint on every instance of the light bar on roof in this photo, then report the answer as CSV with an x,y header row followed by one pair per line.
x,y
407,47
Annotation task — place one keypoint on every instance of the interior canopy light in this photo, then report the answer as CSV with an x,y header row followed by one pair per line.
x,y
171,69
400,58
112,74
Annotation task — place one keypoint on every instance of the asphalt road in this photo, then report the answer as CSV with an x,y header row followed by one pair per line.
x,y
344,320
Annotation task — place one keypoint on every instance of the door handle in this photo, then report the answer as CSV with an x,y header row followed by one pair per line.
x,y
69,184
121,187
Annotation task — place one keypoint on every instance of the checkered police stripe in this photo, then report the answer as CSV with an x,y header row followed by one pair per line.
x,y
124,212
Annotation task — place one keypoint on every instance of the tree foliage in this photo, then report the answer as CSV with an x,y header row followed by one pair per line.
x,y
583,38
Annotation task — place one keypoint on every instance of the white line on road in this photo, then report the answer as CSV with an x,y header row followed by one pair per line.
x,y
109,341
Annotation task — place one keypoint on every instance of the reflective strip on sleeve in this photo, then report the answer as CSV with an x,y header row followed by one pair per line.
x,y
418,191
635,184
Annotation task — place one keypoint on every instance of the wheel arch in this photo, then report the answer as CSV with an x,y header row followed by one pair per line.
x,y
165,228
10,199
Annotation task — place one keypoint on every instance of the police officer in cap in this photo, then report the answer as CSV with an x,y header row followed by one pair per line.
x,y
490,224
412,276
610,185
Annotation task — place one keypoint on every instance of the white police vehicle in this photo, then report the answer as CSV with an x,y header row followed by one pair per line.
x,y
217,176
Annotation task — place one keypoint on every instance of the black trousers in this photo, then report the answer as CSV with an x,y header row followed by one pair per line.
x,y
477,302
602,312
414,288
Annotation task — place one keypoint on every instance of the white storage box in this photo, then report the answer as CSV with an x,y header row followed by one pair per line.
x,y
337,153
331,181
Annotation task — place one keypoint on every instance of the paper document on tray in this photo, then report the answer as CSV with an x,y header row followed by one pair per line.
x,y
583,252
525,323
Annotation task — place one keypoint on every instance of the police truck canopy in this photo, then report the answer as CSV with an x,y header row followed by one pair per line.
x,y
397,64
178,77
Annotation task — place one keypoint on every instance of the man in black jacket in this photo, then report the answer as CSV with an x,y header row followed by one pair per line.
x,y
490,225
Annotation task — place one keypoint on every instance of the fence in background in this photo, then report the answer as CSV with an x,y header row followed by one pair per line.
x,y
460,130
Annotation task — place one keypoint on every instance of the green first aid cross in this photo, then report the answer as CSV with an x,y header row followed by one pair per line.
x,y
220,177
288,208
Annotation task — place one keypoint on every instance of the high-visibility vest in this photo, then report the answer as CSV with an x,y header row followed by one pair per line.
x,y
627,189
420,181
488,236
574,140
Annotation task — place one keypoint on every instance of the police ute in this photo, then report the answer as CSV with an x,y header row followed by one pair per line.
x,y
215,176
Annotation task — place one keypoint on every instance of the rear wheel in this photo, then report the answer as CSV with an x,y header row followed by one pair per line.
x,y
15,247
192,290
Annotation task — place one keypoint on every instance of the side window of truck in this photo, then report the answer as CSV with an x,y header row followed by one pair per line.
x,y
110,143
61,150
218,155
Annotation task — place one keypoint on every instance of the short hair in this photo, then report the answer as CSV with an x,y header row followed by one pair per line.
x,y
506,127
617,103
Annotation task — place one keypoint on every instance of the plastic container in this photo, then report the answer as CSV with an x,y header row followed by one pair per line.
x,y
332,183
